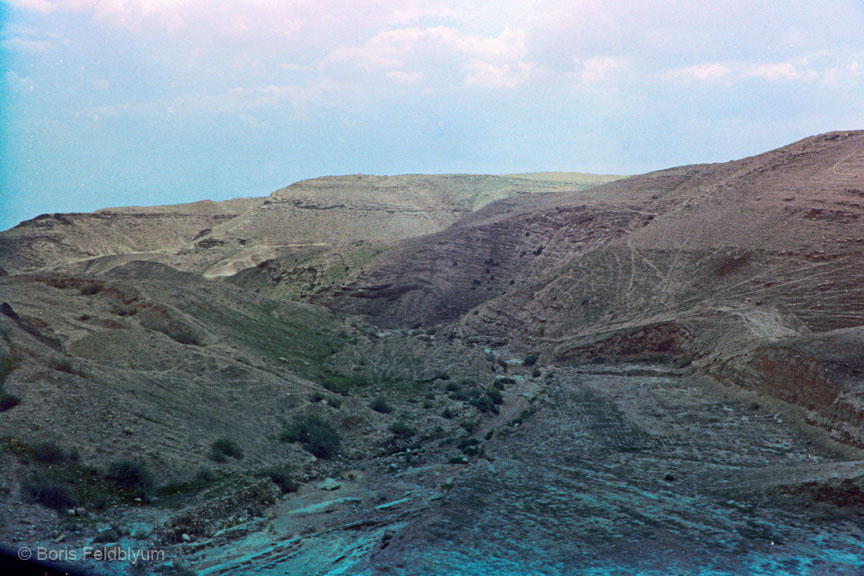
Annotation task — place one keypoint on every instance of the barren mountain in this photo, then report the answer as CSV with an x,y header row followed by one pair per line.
x,y
513,374
720,264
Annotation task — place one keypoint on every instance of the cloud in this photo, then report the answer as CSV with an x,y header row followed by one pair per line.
x,y
470,59
779,71
787,71
706,72
600,69
21,44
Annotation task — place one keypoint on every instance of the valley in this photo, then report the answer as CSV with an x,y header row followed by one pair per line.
x,y
551,373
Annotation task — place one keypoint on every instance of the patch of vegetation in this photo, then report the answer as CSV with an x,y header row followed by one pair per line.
x,y
453,387
530,359
448,413
63,364
484,404
440,375
495,395
505,380
48,452
470,426
224,448
379,404
469,446
522,417
402,430
283,477
337,384
50,492
359,380
315,435
130,475
536,373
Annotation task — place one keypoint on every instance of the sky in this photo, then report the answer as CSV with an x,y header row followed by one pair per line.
x,y
144,102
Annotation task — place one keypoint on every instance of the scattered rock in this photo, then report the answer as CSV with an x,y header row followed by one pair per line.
x,y
185,537
329,484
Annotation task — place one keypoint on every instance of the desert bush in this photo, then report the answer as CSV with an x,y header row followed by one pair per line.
x,y
337,385
359,380
283,477
469,446
470,426
536,373
49,492
522,417
440,375
402,430
379,404
530,359
130,475
48,452
484,404
204,477
495,395
314,434
448,413
224,448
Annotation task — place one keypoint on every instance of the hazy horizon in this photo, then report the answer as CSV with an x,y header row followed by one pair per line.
x,y
131,102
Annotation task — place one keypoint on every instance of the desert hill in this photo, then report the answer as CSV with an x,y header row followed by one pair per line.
x,y
707,263
360,373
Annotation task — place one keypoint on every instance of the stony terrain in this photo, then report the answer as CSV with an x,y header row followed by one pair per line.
x,y
543,373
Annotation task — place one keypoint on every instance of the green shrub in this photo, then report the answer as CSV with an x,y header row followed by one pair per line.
x,y
50,492
536,373
48,452
402,430
283,477
224,448
315,434
453,387
469,446
130,475
440,375
204,477
448,413
470,426
334,401
337,385
522,417
530,359
484,404
495,396
359,380
379,404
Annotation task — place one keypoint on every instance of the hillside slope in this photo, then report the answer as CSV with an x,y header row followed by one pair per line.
x,y
706,263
